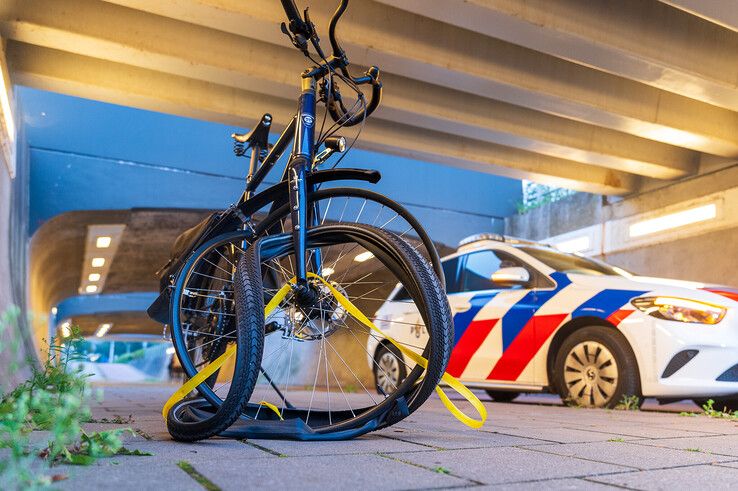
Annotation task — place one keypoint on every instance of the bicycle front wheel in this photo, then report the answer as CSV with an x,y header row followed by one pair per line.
x,y
316,369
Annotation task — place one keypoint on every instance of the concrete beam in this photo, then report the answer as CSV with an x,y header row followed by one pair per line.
x,y
721,12
122,84
226,59
425,49
648,42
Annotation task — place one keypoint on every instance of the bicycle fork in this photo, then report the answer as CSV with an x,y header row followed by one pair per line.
x,y
301,160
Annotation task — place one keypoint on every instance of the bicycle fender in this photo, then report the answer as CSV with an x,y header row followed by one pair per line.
x,y
279,191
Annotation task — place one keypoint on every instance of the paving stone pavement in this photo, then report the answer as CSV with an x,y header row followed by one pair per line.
x,y
532,443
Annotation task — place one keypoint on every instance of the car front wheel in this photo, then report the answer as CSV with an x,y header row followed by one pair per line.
x,y
595,367
389,369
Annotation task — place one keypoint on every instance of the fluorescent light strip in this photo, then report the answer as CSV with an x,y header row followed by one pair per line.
x,y
103,330
673,220
103,242
101,247
5,103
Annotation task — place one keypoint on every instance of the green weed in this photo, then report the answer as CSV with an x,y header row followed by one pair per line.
x,y
712,412
56,399
629,403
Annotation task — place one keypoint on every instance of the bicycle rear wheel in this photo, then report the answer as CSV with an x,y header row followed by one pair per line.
x,y
316,369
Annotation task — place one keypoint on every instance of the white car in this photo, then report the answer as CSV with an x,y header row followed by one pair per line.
x,y
529,318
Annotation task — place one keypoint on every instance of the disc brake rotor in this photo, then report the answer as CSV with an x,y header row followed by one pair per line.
x,y
319,320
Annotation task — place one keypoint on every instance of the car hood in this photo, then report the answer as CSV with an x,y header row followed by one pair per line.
x,y
660,286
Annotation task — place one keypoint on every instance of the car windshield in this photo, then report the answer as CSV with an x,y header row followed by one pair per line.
x,y
571,263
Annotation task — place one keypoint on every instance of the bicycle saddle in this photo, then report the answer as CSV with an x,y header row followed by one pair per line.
x,y
259,134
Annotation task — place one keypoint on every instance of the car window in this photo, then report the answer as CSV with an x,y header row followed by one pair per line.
x,y
450,272
479,266
571,263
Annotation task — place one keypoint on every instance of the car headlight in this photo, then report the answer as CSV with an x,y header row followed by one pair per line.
x,y
680,309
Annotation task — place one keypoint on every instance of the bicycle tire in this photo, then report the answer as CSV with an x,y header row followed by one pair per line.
x,y
423,286
249,345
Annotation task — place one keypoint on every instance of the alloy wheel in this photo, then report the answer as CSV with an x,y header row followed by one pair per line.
x,y
591,374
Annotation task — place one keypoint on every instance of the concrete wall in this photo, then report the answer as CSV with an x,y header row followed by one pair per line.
x,y
12,349
17,345
709,254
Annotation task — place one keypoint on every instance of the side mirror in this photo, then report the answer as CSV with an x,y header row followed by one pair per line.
x,y
511,276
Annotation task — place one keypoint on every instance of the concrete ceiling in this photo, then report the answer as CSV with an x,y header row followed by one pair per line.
x,y
604,96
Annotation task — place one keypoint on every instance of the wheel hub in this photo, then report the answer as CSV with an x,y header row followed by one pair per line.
x,y
320,319
590,374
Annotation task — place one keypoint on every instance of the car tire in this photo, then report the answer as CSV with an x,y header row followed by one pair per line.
x,y
389,369
502,395
727,404
595,367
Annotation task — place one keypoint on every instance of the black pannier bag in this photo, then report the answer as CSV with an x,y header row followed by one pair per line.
x,y
189,240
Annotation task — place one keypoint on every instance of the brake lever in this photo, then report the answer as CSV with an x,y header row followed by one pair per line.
x,y
298,40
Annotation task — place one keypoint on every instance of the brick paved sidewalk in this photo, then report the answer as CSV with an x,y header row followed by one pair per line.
x,y
525,445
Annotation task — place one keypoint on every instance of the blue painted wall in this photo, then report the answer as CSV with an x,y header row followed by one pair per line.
x,y
90,155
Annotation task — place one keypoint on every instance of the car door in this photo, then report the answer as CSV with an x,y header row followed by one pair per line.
x,y
488,318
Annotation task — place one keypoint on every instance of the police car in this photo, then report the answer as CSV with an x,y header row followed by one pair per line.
x,y
530,318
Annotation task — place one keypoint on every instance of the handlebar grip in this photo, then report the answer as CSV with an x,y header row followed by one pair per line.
x,y
338,111
376,90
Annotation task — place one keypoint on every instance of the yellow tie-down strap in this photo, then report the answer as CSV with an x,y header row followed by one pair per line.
x,y
358,315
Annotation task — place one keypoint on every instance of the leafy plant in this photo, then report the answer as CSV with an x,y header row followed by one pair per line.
x,y
711,412
629,403
56,399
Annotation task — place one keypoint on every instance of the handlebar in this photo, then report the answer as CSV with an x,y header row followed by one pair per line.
x,y
293,15
337,51
303,30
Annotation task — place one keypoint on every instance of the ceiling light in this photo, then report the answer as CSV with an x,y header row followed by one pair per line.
x,y
328,271
673,220
578,244
5,104
94,277
66,330
91,288
103,242
98,262
103,330
364,256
